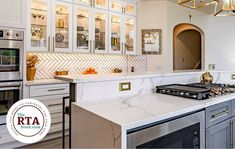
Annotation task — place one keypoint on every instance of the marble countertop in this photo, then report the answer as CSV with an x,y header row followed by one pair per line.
x,y
121,76
44,82
139,110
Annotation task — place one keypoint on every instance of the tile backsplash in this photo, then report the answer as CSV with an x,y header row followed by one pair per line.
x,y
76,63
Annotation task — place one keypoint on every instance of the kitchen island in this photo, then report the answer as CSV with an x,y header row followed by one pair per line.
x,y
103,114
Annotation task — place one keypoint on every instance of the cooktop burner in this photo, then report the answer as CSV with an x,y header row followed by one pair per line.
x,y
197,91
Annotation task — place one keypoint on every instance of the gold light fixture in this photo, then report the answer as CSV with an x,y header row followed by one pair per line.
x,y
228,8
196,4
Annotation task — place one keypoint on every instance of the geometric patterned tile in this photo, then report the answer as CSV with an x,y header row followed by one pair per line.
x,y
76,63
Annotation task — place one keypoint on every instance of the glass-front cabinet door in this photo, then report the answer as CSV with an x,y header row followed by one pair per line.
x,y
103,4
100,30
115,31
130,35
116,5
82,30
130,7
40,25
62,27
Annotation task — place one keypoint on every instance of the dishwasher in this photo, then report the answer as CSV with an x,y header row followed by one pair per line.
x,y
187,131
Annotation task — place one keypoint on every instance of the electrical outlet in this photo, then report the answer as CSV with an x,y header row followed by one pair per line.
x,y
233,76
211,66
125,86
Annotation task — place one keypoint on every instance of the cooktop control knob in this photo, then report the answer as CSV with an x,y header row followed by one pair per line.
x,y
17,34
8,34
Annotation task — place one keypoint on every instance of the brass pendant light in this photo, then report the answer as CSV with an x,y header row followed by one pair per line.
x,y
196,4
228,8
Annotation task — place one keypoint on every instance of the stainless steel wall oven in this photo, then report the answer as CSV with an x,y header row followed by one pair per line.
x,y
184,132
11,54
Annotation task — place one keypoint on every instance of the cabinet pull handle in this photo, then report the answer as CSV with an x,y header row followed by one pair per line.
x,y
52,105
59,89
90,46
94,46
231,134
53,44
94,3
123,48
49,42
220,114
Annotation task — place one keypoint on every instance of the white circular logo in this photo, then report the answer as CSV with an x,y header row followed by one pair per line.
x,y
28,121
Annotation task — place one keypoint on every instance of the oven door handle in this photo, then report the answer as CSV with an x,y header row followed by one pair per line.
x,y
11,84
9,88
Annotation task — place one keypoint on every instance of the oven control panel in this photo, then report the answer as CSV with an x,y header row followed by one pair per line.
x,y
8,34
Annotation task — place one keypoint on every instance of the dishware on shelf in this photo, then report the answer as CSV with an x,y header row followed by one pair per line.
x,y
80,28
60,23
59,37
63,72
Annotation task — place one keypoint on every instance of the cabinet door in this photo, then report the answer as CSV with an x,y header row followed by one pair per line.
x,y
62,27
130,7
130,35
115,30
83,2
100,31
116,5
12,13
82,29
219,136
103,4
39,27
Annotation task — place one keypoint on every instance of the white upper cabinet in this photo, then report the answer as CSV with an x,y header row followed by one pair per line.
x,y
102,4
12,13
129,35
82,29
91,26
49,26
39,27
62,26
121,6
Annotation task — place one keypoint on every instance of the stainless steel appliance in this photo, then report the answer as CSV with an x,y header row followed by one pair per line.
x,y
10,92
11,54
198,91
183,132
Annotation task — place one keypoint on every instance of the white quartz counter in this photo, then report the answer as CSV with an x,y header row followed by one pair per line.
x,y
122,76
135,111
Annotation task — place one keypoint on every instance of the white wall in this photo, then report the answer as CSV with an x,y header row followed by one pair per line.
x,y
152,14
220,42
155,14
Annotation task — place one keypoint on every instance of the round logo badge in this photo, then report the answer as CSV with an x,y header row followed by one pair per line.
x,y
28,121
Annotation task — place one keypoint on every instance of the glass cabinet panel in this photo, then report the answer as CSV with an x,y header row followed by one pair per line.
x,y
100,31
116,5
101,3
115,33
82,28
130,8
62,27
84,2
129,34
39,24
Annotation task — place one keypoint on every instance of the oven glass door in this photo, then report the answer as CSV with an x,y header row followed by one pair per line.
x,y
7,98
9,59
188,137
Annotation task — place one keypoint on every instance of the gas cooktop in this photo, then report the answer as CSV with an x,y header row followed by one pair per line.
x,y
198,91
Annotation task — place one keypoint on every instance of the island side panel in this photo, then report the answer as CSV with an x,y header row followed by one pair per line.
x,y
92,131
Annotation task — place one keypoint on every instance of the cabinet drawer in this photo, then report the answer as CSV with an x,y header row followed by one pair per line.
x,y
218,113
47,90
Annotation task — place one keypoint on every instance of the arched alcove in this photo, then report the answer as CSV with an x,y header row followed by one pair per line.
x,y
188,47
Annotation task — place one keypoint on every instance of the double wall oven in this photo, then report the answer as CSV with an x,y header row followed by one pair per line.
x,y
11,61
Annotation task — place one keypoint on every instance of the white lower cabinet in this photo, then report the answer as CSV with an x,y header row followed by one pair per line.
x,y
52,97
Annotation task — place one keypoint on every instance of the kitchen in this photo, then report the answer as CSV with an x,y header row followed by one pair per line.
x,y
82,38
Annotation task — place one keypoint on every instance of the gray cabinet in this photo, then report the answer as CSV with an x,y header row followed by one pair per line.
x,y
219,136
